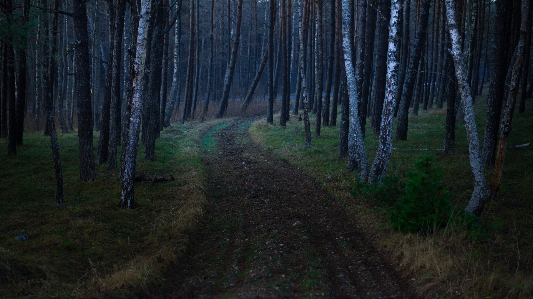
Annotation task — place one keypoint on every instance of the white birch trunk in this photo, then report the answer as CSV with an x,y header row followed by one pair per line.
x,y
356,147
385,136
130,150
479,194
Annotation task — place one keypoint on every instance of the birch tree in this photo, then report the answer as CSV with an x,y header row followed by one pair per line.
x,y
385,133
129,152
479,194
356,147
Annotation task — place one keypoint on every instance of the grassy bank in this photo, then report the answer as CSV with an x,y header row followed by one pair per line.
x,y
495,261
90,247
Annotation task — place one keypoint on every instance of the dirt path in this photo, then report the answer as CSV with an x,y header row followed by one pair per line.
x,y
271,232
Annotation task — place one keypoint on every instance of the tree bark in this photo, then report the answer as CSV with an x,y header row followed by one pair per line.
x,y
380,69
479,194
319,58
129,152
230,70
356,148
506,125
498,75
49,103
116,98
175,90
382,158
251,90
410,76
271,71
302,69
83,92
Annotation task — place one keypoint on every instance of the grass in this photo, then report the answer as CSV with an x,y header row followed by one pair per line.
x,y
90,247
494,262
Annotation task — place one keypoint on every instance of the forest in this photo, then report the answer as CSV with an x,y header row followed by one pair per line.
x,y
115,110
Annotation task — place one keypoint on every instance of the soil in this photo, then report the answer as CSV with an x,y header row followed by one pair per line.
x,y
271,232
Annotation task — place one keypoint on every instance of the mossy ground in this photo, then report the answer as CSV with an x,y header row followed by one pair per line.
x,y
90,247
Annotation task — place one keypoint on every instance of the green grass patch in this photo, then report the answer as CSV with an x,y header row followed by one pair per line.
x,y
90,247
441,263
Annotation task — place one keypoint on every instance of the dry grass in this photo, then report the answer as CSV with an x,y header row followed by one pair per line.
x,y
495,261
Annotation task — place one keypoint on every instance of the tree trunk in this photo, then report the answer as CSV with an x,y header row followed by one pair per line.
x,y
356,147
319,58
479,194
211,58
22,84
154,87
382,159
83,92
360,62
103,140
498,75
285,86
329,66
505,127
10,87
230,70
49,96
271,71
129,151
175,89
338,60
410,76
251,90
380,69
302,69
187,105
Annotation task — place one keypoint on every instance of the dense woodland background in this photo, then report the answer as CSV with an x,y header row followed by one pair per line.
x,y
334,83
72,64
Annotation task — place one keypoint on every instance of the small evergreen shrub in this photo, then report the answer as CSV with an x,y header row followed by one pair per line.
x,y
425,205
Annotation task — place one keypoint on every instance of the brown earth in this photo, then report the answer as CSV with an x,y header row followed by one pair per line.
x,y
271,232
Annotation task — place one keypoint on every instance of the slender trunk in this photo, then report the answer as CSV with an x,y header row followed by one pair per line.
x,y
302,69
338,63
251,90
360,62
22,84
380,69
410,76
319,58
83,92
330,63
230,70
49,96
479,194
129,152
175,89
505,127
211,58
356,148
497,82
271,97
382,159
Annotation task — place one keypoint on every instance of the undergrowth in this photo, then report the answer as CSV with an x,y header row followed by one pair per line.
x,y
451,255
90,247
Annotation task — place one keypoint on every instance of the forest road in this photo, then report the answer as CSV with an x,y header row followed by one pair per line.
x,y
271,232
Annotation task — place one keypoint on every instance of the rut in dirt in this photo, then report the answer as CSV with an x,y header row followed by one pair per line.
x,y
271,232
